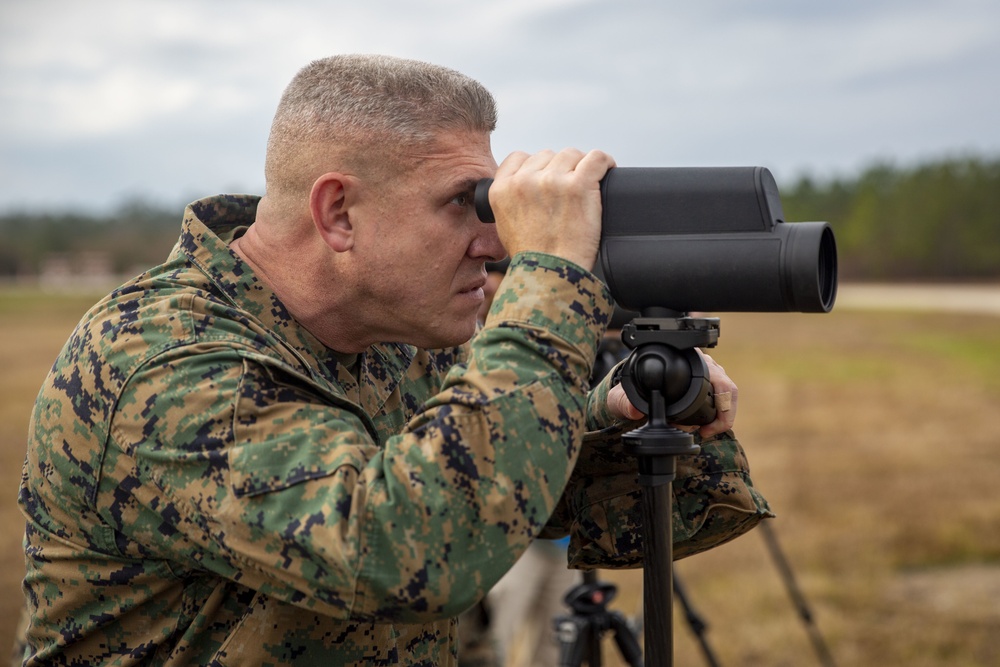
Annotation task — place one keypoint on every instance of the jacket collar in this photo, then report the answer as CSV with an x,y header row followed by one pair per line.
x,y
209,226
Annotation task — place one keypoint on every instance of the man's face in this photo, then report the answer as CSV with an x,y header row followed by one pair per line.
x,y
422,248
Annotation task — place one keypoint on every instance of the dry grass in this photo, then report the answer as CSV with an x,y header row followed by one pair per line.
x,y
874,436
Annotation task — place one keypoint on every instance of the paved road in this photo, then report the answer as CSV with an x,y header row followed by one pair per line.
x,y
978,298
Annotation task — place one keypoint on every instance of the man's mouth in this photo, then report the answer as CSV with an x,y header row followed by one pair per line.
x,y
478,284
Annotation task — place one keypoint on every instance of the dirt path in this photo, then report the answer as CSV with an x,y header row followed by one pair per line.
x,y
975,298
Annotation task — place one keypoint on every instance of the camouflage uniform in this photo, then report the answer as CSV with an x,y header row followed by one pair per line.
x,y
207,484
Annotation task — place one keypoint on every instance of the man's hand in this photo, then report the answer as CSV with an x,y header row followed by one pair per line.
x,y
726,394
551,202
620,406
724,389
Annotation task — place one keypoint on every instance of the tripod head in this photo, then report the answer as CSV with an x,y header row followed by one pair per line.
x,y
664,358
590,598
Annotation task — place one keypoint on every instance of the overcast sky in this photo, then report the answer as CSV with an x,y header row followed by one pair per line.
x,y
170,100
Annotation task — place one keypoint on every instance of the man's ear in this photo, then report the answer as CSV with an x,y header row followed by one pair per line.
x,y
329,203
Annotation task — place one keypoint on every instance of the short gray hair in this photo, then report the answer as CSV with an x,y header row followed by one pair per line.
x,y
356,103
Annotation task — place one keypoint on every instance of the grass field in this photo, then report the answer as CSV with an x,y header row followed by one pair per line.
x,y
876,437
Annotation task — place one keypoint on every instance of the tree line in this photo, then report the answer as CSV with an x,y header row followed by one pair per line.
x,y
935,221
134,237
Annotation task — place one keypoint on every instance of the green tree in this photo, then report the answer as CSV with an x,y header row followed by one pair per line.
x,y
937,220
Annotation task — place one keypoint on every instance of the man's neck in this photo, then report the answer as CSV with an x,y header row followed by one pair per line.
x,y
294,277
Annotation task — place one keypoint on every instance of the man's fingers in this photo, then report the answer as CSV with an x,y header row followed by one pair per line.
x,y
620,406
550,202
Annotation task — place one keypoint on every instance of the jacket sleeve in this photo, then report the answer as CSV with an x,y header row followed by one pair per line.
x,y
714,497
273,487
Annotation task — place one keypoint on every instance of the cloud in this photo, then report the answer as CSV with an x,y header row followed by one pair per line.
x,y
187,87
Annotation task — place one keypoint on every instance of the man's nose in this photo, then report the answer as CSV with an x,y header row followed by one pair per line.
x,y
487,244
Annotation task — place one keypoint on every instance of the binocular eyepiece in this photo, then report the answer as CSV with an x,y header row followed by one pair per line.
x,y
706,239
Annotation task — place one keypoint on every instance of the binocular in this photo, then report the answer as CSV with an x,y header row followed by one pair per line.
x,y
712,239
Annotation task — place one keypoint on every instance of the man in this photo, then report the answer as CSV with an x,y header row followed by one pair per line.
x,y
278,448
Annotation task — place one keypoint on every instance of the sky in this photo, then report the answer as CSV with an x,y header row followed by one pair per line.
x,y
105,102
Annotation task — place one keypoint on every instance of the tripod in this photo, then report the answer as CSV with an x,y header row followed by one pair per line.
x,y
667,380
580,634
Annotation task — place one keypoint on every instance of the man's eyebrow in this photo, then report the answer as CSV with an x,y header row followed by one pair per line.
x,y
465,185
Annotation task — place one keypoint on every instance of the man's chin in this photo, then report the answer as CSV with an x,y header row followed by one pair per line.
x,y
453,337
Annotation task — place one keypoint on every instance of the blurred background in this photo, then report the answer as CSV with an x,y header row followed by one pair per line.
x,y
873,430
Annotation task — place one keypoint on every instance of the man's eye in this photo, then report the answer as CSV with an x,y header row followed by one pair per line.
x,y
464,199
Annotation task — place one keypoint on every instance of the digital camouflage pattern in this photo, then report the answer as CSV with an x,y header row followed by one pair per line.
x,y
207,484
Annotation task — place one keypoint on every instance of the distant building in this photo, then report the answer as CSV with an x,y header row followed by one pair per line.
x,y
88,269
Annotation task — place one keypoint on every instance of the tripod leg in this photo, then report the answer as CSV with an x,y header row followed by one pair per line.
x,y
798,599
627,644
573,634
658,575
695,621
593,647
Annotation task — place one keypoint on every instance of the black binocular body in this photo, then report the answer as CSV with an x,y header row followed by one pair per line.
x,y
708,239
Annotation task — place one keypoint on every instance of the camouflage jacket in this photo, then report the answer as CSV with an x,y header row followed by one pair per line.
x,y
207,484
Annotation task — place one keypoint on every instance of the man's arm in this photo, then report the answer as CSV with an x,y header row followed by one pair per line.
x,y
271,485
